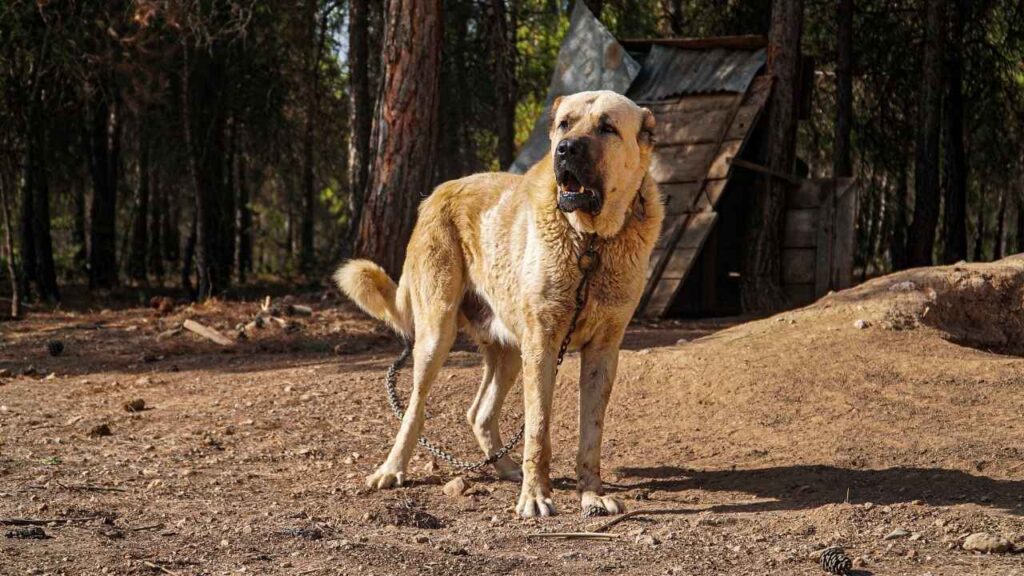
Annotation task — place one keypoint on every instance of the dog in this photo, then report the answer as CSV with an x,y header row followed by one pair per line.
x,y
496,255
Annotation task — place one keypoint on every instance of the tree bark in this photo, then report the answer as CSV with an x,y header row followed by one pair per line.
x,y
244,219
37,182
317,37
137,261
999,243
921,240
842,163
157,215
761,288
673,17
956,169
105,167
360,108
404,131
979,229
898,241
503,36
6,186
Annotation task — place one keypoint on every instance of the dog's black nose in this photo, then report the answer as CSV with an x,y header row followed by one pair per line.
x,y
569,147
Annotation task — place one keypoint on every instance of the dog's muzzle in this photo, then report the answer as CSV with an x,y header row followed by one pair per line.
x,y
576,189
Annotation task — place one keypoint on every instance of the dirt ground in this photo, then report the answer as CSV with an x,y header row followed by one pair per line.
x,y
885,419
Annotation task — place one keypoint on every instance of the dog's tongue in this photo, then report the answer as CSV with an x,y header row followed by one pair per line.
x,y
571,184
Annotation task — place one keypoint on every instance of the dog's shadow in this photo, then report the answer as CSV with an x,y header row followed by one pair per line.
x,y
805,486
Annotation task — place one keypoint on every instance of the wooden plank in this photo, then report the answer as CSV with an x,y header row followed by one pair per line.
x,y
679,197
698,226
680,263
799,294
703,128
807,195
847,198
825,241
692,103
798,266
687,162
207,332
801,228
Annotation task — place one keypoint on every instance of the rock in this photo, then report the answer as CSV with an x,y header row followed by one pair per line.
x,y
28,532
55,347
905,286
456,487
897,533
985,542
861,324
136,405
681,341
868,505
648,540
100,430
421,539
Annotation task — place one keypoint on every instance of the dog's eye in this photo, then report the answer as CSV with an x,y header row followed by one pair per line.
x,y
608,129
563,125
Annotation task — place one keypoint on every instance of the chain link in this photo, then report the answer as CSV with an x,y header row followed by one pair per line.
x,y
588,261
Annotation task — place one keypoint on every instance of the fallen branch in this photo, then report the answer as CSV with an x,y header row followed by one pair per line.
x,y
573,535
156,526
207,332
635,513
163,569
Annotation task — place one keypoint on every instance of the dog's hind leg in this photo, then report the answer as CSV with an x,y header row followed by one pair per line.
x,y
434,294
501,368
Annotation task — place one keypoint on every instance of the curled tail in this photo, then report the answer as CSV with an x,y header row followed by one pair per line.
x,y
369,286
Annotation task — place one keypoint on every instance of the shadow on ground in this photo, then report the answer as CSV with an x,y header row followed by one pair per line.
x,y
802,487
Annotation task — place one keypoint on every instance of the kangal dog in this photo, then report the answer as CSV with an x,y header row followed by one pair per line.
x,y
497,256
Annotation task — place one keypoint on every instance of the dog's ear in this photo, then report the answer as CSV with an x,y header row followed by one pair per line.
x,y
647,124
554,112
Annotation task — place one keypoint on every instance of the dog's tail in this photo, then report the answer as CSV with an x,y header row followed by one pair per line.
x,y
369,286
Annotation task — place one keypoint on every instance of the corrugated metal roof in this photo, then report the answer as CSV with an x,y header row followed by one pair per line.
x,y
669,72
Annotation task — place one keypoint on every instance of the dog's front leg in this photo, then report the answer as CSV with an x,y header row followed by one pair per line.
x,y
598,362
538,385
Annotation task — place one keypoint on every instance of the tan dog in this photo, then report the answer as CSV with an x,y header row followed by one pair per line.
x,y
496,255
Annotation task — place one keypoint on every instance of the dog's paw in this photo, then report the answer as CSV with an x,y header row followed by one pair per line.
x,y
385,477
534,503
596,505
507,469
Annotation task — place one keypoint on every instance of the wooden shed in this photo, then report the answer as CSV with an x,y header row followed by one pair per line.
x,y
708,96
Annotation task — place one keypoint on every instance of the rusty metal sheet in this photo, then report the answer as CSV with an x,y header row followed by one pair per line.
x,y
589,59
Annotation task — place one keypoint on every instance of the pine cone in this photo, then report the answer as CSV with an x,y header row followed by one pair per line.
x,y
834,561
55,347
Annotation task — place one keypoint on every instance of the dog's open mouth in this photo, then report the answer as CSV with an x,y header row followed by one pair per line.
x,y
573,195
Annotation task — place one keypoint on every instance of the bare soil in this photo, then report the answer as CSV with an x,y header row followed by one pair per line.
x,y
769,439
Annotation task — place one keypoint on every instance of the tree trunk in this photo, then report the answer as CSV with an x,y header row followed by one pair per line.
x,y
921,240
842,163
27,240
955,212
673,17
244,219
105,168
999,243
157,215
38,186
898,242
360,108
503,35
6,186
762,278
317,36
979,229
205,126
78,231
137,262
404,131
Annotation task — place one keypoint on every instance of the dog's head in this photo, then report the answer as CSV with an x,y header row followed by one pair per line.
x,y
601,145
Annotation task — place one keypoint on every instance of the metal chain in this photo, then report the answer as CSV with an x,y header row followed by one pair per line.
x,y
588,261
